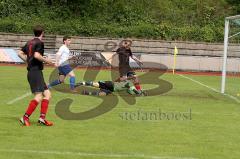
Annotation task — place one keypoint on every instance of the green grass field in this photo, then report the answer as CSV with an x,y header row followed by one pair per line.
x,y
212,132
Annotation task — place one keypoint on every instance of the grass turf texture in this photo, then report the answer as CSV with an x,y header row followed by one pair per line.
x,y
212,133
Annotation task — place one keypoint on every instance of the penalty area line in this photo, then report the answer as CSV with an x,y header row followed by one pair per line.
x,y
110,155
213,89
19,98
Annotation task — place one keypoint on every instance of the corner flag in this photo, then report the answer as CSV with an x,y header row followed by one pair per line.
x,y
174,59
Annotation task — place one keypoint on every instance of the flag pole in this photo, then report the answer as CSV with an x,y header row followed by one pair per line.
x,y
174,59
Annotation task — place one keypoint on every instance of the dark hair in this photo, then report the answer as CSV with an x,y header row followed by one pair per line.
x,y
66,37
38,30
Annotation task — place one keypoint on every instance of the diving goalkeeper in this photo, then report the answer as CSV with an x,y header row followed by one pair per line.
x,y
131,86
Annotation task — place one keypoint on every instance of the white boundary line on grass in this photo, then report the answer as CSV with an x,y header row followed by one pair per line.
x,y
193,80
213,89
111,155
19,98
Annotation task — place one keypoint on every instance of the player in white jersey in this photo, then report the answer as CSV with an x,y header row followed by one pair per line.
x,y
62,57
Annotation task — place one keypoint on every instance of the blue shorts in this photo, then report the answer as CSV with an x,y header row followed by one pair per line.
x,y
64,70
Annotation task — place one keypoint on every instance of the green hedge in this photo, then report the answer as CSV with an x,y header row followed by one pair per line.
x,y
155,19
163,31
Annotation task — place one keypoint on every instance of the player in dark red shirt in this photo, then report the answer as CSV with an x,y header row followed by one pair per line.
x,y
32,53
124,54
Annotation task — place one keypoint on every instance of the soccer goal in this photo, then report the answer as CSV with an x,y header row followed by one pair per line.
x,y
231,57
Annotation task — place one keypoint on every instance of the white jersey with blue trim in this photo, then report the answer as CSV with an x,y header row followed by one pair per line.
x,y
64,53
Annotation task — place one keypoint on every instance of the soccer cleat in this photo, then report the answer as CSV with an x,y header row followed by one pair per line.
x,y
44,122
24,122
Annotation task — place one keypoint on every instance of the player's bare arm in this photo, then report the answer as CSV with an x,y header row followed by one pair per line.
x,y
22,55
58,55
113,55
38,56
136,59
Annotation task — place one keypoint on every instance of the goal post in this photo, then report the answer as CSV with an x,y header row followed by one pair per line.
x,y
225,52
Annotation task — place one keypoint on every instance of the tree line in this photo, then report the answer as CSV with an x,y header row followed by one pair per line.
x,y
192,20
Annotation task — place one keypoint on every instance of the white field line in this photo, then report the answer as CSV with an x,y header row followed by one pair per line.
x,y
204,85
19,98
104,155
213,89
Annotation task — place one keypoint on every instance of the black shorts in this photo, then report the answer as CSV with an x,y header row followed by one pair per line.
x,y
123,70
36,81
106,86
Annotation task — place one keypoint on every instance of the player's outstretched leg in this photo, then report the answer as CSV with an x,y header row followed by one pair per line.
x,y
94,93
72,80
54,83
31,107
88,83
44,108
57,82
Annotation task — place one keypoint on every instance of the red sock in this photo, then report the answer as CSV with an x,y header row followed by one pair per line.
x,y
31,107
138,87
44,108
